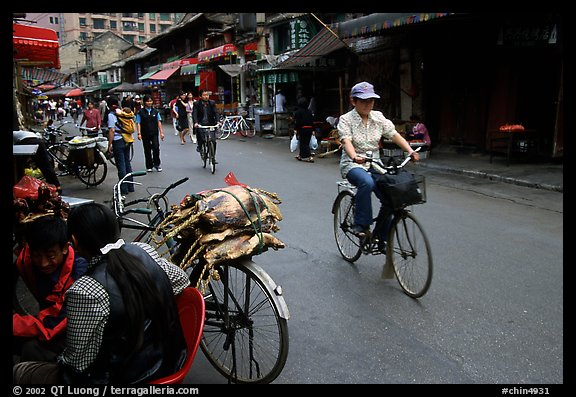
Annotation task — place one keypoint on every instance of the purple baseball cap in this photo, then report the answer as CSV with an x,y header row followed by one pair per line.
x,y
363,90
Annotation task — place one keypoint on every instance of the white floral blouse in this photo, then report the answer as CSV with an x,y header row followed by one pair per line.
x,y
363,137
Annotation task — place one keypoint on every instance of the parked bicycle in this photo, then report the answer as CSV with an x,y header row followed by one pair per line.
x,y
245,332
156,208
52,133
85,160
208,145
407,248
233,125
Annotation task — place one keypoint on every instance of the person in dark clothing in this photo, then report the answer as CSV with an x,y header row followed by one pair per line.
x,y
41,158
204,113
123,324
149,124
304,126
182,125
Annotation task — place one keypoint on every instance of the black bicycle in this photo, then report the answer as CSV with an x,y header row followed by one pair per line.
x,y
245,332
208,145
407,247
86,161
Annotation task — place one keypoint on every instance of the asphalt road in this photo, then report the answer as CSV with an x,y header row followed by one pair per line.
x,y
493,314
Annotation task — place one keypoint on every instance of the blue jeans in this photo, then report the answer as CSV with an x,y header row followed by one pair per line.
x,y
122,158
365,185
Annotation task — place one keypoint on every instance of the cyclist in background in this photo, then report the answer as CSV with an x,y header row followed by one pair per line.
x,y
360,131
204,113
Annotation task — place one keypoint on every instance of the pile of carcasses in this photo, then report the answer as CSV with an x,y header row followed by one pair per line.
x,y
221,225
34,198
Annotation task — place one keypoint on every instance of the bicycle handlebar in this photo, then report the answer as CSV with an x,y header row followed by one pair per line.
x,y
172,186
381,168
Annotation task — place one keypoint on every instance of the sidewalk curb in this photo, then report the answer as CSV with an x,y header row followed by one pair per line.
x,y
494,177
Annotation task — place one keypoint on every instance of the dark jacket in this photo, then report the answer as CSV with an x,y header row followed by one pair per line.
x,y
158,356
148,122
200,108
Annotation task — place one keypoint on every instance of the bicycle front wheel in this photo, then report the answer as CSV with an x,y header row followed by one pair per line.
x,y
212,155
348,243
409,252
95,173
244,337
203,154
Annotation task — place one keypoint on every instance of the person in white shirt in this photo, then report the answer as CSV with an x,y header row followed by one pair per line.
x,y
280,101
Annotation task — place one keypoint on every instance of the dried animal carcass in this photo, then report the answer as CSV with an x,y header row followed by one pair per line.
x,y
222,224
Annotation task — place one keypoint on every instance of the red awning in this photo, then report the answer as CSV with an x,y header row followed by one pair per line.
x,y
163,74
223,50
36,45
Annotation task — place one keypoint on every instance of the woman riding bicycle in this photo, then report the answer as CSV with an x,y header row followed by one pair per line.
x,y
204,113
360,131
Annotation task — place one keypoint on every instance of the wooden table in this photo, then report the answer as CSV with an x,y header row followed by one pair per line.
x,y
510,142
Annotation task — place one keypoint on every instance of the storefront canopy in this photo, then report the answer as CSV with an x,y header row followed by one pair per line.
x,y
373,23
163,74
322,44
33,44
65,91
224,50
128,87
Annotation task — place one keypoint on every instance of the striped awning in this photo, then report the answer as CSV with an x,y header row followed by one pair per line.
x,y
322,44
214,53
42,76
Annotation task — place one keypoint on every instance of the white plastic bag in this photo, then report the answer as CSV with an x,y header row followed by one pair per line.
x,y
313,143
294,143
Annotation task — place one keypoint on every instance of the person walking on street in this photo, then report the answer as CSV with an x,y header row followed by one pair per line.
x,y
149,125
174,114
123,325
360,131
204,113
304,128
117,146
189,110
92,118
182,125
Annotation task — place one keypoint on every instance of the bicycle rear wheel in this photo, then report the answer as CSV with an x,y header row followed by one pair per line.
x,y
348,243
60,153
95,173
244,337
409,252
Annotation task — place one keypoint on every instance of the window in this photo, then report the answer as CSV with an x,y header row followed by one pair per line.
x,y
129,26
129,37
82,21
152,28
54,20
83,36
140,27
141,39
152,16
165,16
113,25
99,23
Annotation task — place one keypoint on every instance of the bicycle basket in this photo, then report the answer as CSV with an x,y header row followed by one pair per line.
x,y
403,189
